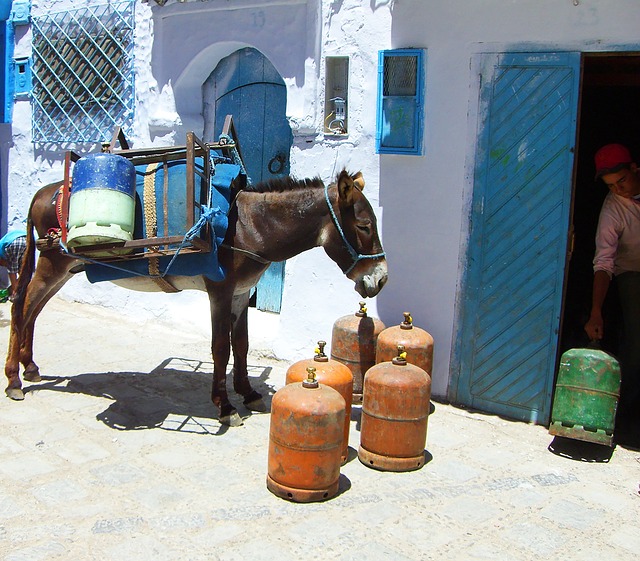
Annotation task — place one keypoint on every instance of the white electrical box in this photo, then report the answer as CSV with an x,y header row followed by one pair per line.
x,y
336,95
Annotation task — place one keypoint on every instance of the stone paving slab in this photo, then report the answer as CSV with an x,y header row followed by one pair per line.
x,y
118,454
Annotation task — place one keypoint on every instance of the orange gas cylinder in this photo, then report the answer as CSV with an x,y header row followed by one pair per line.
x,y
418,344
395,412
330,373
305,441
353,343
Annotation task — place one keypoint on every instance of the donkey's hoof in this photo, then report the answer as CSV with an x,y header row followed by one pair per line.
x,y
257,405
32,376
231,420
15,393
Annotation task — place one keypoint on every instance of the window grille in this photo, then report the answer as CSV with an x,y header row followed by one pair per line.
x,y
83,77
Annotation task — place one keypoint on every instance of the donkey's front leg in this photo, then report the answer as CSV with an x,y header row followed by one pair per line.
x,y
240,342
221,351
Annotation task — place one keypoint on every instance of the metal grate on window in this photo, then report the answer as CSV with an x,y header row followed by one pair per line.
x,y
400,75
83,77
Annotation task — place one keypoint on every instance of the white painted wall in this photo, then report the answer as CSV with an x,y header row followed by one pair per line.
x,y
425,199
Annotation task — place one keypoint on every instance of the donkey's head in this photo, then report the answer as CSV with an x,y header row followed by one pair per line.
x,y
351,239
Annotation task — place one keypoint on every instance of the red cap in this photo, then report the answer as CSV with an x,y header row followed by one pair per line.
x,y
611,158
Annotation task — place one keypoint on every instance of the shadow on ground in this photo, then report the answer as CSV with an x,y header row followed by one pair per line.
x,y
175,395
580,450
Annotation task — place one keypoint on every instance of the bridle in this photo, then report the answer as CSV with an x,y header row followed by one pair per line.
x,y
357,257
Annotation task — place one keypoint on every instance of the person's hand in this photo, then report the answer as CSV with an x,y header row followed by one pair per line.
x,y
595,327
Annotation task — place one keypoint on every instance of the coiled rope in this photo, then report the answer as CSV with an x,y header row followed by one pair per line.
x,y
151,226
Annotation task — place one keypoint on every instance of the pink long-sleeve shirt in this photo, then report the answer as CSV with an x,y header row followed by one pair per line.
x,y
618,236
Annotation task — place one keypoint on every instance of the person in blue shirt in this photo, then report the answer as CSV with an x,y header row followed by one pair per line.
x,y
12,248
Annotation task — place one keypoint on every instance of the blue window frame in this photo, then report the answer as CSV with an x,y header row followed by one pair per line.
x,y
400,115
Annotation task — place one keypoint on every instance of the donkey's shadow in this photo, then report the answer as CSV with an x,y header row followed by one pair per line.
x,y
175,395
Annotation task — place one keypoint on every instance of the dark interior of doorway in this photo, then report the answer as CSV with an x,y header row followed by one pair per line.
x,y
609,112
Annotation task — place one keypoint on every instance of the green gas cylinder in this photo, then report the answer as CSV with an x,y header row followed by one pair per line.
x,y
586,397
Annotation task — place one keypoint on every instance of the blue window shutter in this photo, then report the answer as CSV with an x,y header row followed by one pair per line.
x,y
6,71
7,67
400,115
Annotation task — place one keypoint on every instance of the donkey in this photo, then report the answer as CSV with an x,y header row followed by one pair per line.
x,y
268,222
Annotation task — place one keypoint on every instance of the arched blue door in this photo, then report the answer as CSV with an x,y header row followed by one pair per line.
x,y
246,85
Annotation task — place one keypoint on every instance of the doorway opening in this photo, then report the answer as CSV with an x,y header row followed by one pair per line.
x,y
608,113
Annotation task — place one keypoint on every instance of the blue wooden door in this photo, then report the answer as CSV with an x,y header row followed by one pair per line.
x,y
246,85
507,335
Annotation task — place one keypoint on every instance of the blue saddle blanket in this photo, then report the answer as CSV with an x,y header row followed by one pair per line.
x,y
174,223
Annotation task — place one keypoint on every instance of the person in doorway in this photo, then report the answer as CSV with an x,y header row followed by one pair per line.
x,y
618,254
12,248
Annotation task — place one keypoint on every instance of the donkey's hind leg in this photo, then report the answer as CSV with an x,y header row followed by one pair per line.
x,y
50,275
11,367
31,370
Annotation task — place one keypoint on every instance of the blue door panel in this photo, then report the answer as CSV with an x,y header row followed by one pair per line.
x,y
509,260
245,105
269,294
243,67
250,88
511,301
503,314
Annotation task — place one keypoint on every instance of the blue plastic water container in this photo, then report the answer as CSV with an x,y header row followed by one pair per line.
x,y
102,202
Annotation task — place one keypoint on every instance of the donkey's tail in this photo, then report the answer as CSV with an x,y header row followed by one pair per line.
x,y
27,269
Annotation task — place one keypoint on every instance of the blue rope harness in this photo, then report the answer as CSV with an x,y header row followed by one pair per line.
x,y
354,254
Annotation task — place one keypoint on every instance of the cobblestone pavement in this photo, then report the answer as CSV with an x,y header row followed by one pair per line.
x,y
117,455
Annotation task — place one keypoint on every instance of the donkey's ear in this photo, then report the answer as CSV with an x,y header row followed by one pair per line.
x,y
345,189
358,180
